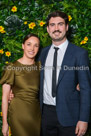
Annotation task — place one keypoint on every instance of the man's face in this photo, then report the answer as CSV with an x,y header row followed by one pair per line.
x,y
57,29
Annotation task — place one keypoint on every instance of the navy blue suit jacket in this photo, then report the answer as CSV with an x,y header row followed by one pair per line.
x,y
71,105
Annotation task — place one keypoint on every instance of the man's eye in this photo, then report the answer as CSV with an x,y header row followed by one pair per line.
x,y
51,24
61,24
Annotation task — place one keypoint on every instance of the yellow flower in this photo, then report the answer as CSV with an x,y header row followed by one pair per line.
x,y
1,28
69,18
83,42
1,114
8,53
14,9
42,23
9,131
1,51
32,25
86,39
3,31
25,22
6,62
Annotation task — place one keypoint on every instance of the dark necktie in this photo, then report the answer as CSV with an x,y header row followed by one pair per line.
x,y
54,73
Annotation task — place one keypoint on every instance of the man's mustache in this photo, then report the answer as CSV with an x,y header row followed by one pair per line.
x,y
56,31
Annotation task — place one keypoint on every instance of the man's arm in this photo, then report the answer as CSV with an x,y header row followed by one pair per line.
x,y
84,79
11,96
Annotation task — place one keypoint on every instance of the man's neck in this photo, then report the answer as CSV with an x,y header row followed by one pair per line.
x,y
59,42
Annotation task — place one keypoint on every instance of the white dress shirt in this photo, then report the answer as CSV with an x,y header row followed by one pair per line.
x,y
47,90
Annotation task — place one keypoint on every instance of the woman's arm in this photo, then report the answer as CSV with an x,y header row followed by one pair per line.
x,y
5,95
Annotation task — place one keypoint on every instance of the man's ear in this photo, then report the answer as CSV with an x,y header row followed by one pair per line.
x,y
67,27
23,46
47,29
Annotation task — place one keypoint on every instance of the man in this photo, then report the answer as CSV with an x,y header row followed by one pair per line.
x,y
65,111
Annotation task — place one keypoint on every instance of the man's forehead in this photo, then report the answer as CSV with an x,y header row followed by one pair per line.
x,y
56,19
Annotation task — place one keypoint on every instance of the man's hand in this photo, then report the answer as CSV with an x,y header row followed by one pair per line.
x,y
11,96
81,128
78,87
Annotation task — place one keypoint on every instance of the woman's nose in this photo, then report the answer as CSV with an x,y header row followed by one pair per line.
x,y
32,47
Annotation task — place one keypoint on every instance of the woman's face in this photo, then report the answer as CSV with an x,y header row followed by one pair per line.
x,y
31,47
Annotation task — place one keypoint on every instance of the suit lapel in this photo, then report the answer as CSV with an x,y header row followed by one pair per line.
x,y
66,61
44,56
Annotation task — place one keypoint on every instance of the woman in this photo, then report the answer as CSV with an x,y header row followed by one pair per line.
x,y
22,77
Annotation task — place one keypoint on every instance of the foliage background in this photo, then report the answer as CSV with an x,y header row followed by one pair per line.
x,y
36,11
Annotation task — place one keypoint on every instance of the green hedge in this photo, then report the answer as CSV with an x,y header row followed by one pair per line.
x,y
15,25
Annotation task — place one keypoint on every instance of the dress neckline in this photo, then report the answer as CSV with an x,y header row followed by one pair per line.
x,y
25,64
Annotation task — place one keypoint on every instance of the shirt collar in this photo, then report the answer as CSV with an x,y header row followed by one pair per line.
x,y
62,46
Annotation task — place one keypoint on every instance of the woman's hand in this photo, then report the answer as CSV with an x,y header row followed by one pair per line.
x,y
5,129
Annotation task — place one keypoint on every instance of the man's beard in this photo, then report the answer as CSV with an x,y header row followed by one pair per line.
x,y
58,39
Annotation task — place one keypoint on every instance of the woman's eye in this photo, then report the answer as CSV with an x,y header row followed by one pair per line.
x,y
36,45
28,44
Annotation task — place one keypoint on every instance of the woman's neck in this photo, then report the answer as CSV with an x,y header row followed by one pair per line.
x,y
25,60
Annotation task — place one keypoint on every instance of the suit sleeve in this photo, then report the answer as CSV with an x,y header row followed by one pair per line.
x,y
84,78
39,56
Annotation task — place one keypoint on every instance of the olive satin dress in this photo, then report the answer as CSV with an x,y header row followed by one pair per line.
x,y
24,111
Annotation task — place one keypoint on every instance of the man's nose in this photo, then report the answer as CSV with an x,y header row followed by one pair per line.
x,y
56,27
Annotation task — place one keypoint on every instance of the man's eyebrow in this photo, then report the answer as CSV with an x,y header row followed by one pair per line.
x,y
58,23
51,23
61,22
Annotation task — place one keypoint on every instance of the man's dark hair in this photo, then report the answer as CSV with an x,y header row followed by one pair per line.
x,y
57,14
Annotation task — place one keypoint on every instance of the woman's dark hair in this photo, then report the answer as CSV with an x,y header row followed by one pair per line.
x,y
57,14
30,35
